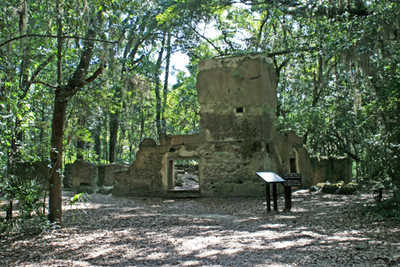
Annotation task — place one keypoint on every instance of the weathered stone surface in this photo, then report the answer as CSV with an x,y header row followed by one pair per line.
x,y
144,176
83,174
107,173
237,98
331,170
237,137
67,179
237,109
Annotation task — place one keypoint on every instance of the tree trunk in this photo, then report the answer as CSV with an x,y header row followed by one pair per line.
x,y
157,87
142,124
62,95
165,90
80,144
80,147
113,136
9,210
97,143
57,135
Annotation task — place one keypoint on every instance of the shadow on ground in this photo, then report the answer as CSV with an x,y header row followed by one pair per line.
x,y
106,231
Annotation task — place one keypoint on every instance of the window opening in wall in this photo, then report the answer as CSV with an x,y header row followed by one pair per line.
x,y
184,175
239,110
293,168
267,149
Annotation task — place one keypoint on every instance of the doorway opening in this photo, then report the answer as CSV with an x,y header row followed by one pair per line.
x,y
293,167
184,175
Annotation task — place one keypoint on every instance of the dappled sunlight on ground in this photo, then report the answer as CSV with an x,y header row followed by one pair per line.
x,y
107,231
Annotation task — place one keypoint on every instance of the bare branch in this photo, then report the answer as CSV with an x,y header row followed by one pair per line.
x,y
207,40
260,30
39,69
291,51
55,36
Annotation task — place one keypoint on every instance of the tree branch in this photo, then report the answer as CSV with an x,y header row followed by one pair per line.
x,y
55,36
95,74
45,84
207,40
39,69
260,30
290,51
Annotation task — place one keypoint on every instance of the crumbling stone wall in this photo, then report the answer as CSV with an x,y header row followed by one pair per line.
x,y
237,110
83,174
149,173
144,175
331,170
237,98
237,137
107,173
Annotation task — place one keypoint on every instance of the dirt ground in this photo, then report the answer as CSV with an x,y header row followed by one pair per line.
x,y
321,230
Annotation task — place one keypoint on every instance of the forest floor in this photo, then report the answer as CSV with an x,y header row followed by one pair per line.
x,y
321,230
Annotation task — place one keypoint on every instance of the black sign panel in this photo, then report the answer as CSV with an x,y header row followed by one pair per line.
x,y
292,179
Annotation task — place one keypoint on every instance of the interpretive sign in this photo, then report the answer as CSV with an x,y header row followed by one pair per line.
x,y
274,179
270,177
292,179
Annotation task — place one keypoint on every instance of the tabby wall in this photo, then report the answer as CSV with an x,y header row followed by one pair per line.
x,y
237,137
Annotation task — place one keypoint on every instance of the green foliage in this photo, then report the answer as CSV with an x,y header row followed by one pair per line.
x,y
340,188
387,209
348,189
27,193
80,197
183,107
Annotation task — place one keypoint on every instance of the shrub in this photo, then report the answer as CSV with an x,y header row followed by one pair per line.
x,y
337,188
330,188
348,189
388,208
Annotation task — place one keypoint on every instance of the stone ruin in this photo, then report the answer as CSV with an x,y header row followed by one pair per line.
x,y
83,176
237,138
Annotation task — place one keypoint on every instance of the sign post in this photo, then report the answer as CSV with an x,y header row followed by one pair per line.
x,y
271,178
292,179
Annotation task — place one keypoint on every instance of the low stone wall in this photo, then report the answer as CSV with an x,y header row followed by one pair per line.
x,y
229,169
107,172
332,170
84,174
